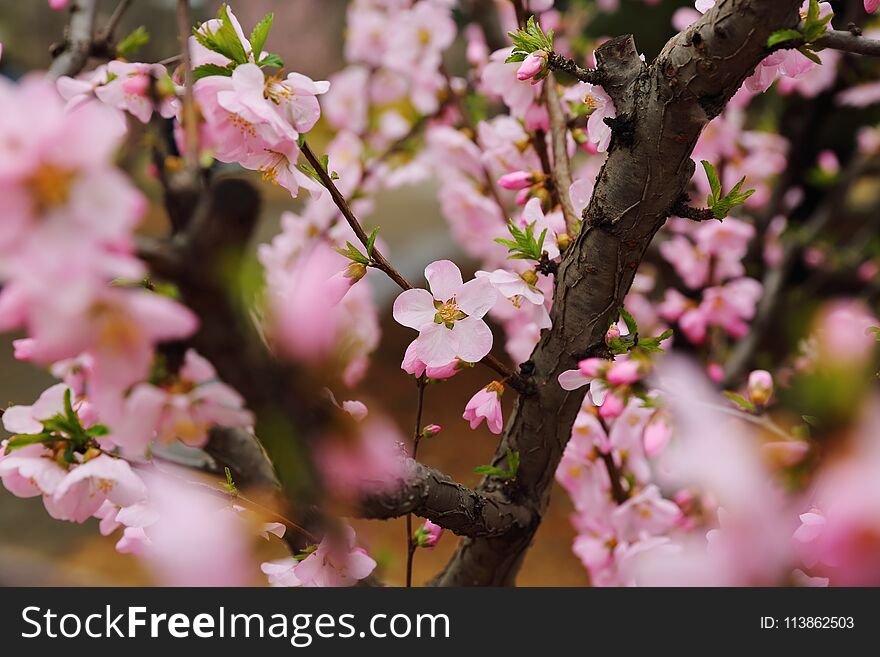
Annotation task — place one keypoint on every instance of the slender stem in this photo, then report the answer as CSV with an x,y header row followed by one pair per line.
x,y
417,436
190,117
561,171
559,63
617,491
113,22
849,42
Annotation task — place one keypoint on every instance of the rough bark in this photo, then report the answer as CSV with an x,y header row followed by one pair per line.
x,y
662,109
433,495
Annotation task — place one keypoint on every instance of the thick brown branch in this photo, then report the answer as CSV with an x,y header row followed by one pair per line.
x,y
78,40
430,494
661,110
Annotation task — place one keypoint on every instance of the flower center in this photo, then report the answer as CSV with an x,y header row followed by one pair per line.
x,y
50,186
270,172
277,91
448,312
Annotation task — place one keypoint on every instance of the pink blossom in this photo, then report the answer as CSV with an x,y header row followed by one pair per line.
x,y
86,487
449,317
281,572
871,5
192,537
486,405
336,562
58,5
603,108
129,88
368,458
30,471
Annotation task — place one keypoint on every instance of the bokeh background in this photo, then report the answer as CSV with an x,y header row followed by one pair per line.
x,y
308,34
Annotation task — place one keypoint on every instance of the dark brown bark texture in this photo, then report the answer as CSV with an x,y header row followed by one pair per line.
x,y
661,110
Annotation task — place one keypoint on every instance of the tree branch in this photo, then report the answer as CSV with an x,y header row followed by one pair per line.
x,y
78,40
561,171
661,112
850,42
589,75
430,494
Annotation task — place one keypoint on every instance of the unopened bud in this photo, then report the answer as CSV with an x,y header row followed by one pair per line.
x,y
431,430
530,277
355,271
760,387
612,334
563,241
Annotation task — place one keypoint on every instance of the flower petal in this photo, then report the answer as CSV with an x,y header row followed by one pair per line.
x,y
474,339
476,297
437,345
414,308
573,379
444,278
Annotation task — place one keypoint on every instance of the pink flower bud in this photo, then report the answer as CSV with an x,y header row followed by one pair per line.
x,y
431,430
624,372
760,387
136,85
592,367
516,180
871,5
612,407
428,535
532,65
612,334
58,5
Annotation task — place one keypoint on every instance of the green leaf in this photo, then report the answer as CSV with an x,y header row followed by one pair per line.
x,y
354,254
529,39
97,431
72,417
271,60
225,40
781,36
653,344
740,401
136,40
507,474
630,321
207,70
714,182
25,439
260,33
809,54
371,242
229,485
523,246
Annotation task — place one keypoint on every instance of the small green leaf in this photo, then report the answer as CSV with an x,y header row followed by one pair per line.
x,y
371,242
136,40
630,321
507,474
354,254
229,485
740,401
25,439
271,60
781,36
714,182
260,33
207,70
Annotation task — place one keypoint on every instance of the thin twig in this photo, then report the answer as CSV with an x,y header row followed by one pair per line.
x,y
106,33
561,171
849,42
411,544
